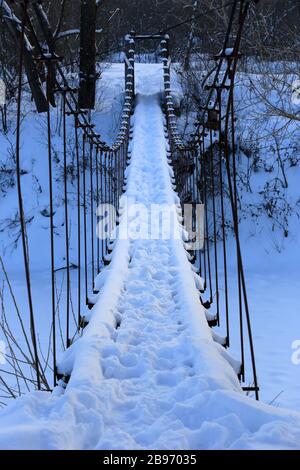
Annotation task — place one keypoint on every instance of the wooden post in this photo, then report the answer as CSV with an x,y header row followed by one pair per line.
x,y
87,87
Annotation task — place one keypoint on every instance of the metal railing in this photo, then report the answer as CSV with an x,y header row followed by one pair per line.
x,y
206,172
98,172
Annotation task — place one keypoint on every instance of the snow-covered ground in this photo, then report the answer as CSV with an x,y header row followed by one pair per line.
x,y
146,373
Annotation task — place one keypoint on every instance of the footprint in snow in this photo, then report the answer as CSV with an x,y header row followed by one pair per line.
x,y
168,379
122,373
129,360
110,350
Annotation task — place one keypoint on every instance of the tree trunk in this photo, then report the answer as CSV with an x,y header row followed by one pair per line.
x,y
13,26
87,90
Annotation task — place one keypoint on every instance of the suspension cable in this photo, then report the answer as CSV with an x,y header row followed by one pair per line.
x,y
52,253
66,213
91,153
224,237
78,220
20,199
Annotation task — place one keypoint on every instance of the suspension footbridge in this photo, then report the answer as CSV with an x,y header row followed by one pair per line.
x,y
145,364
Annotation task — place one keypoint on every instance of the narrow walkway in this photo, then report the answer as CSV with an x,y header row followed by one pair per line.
x,y
151,365
146,372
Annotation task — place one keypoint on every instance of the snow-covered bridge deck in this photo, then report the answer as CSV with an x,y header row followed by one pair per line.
x,y
147,373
